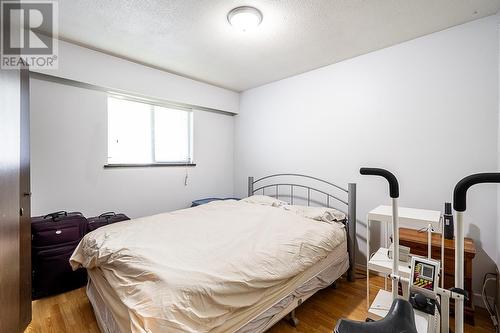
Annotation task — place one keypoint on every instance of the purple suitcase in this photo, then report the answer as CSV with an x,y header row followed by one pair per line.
x,y
57,229
105,219
54,238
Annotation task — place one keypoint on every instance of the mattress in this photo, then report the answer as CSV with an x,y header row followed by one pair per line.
x,y
205,269
112,315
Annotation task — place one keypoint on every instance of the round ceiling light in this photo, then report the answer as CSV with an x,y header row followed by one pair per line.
x,y
245,18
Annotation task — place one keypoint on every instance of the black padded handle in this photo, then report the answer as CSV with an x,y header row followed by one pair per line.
x,y
462,292
389,176
460,192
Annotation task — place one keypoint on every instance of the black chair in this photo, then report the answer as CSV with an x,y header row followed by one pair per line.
x,y
400,319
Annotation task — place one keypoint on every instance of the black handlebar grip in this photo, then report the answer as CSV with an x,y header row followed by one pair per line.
x,y
389,176
460,192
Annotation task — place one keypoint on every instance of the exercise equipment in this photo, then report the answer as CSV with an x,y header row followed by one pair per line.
x,y
425,295
399,319
459,205
423,284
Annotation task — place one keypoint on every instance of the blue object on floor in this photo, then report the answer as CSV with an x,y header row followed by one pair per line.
x,y
207,200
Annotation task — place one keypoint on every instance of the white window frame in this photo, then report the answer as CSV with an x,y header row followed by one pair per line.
x,y
154,162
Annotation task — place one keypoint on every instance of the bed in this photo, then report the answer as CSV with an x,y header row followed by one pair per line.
x,y
227,266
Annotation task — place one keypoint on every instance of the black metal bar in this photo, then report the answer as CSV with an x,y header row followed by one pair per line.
x,y
389,176
460,192
250,186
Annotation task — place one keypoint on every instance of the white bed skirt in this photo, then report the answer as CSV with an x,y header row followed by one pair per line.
x,y
112,318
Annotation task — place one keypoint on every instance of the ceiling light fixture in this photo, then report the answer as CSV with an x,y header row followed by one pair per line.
x,y
245,18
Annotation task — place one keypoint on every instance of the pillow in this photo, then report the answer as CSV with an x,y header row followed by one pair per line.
x,y
264,200
324,214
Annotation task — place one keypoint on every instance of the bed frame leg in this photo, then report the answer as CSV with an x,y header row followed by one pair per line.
x,y
292,320
350,275
351,230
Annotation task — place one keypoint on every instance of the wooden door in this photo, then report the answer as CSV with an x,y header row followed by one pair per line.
x,y
25,205
12,251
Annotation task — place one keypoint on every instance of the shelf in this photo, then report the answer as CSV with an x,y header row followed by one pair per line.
x,y
408,217
382,303
380,262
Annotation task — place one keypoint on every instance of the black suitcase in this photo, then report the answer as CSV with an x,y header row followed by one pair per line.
x,y
54,238
57,228
105,219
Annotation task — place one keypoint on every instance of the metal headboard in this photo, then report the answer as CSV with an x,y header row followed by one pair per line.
x,y
303,181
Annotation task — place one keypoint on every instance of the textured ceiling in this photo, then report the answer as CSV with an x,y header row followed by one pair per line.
x,y
192,37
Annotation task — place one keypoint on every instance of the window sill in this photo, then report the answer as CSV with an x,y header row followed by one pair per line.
x,y
149,165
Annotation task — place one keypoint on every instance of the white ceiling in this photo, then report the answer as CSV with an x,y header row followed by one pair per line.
x,y
193,38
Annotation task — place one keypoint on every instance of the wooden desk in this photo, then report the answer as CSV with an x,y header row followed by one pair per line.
x,y
417,242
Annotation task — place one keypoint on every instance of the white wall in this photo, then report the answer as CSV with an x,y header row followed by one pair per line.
x,y
68,147
69,136
85,65
426,109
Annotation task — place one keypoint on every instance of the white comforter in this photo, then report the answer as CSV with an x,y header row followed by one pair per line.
x,y
189,270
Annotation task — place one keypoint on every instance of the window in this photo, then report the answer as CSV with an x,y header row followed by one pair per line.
x,y
141,133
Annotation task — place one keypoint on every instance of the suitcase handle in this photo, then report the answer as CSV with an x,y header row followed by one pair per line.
x,y
76,213
56,214
108,214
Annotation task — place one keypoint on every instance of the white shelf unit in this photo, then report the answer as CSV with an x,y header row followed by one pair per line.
x,y
380,262
408,217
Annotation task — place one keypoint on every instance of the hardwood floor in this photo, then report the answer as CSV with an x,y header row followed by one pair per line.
x,y
72,312
69,312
